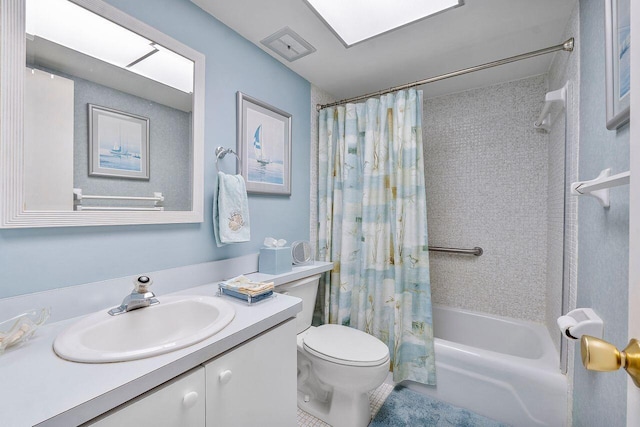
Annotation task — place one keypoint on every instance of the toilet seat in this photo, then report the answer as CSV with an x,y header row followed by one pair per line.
x,y
345,346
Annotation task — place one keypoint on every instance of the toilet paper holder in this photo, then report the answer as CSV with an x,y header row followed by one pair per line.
x,y
581,321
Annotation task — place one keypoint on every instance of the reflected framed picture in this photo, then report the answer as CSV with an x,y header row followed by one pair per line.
x,y
264,146
617,57
118,144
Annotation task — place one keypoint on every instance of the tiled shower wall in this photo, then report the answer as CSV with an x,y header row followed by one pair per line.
x,y
486,178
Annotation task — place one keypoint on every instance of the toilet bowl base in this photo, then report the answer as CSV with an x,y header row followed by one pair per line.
x,y
341,409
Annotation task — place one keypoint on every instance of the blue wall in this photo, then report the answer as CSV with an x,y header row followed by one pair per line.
x,y
603,234
40,259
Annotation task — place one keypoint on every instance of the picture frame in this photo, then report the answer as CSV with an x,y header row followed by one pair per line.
x,y
118,143
617,62
263,146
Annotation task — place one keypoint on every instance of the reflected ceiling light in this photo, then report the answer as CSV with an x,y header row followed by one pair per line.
x,y
356,20
69,25
74,27
167,67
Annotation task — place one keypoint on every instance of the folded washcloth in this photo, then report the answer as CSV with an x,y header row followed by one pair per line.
x,y
230,210
246,286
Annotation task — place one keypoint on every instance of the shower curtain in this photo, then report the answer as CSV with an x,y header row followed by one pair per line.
x,y
372,218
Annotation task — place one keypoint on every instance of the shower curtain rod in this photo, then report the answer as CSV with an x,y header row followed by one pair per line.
x,y
566,46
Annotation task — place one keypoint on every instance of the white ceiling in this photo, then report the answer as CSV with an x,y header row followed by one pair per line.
x,y
478,32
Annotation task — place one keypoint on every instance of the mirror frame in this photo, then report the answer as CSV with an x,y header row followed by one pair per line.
x,y
12,63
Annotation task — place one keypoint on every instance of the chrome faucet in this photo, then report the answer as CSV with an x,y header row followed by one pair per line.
x,y
140,297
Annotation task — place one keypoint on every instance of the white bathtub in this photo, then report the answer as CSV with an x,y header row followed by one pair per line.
x,y
502,368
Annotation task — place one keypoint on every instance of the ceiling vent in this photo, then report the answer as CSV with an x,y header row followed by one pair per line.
x,y
288,44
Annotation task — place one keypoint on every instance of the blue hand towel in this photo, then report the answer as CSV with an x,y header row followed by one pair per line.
x,y
230,210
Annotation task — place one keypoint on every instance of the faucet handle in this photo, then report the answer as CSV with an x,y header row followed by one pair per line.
x,y
141,284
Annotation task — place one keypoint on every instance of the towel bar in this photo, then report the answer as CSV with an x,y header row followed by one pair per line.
x,y
599,187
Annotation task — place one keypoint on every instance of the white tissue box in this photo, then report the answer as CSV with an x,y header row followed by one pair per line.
x,y
275,260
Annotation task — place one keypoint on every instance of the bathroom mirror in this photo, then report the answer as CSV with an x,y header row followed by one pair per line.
x,y
102,118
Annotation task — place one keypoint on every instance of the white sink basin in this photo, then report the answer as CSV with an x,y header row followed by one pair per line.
x,y
175,323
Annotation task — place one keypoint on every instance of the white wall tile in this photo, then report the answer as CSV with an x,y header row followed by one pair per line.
x,y
486,173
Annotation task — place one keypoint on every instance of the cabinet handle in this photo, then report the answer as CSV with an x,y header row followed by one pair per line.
x,y
190,399
225,376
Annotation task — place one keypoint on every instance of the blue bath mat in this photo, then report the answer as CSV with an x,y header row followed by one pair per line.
x,y
405,407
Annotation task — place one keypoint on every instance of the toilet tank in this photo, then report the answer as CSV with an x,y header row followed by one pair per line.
x,y
306,289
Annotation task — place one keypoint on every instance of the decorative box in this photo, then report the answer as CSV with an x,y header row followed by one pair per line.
x,y
223,289
275,260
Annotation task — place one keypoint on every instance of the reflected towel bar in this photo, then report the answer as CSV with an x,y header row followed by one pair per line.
x,y
157,198
77,193
116,208
477,251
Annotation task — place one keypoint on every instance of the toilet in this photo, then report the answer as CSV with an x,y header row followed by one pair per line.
x,y
337,365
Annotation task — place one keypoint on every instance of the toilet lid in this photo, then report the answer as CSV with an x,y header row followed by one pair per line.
x,y
347,346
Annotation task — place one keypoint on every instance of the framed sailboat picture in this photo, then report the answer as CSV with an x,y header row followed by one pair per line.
x,y
617,62
264,146
118,144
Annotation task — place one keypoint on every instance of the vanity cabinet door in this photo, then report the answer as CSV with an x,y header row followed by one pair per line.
x,y
255,383
179,402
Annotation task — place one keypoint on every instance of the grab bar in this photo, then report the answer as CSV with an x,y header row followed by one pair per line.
x,y
477,251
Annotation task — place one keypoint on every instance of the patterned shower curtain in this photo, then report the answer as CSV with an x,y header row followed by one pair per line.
x,y
373,226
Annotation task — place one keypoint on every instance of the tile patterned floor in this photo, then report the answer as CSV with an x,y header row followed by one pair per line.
x,y
376,399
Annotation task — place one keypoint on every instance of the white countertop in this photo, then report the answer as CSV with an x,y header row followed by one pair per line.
x,y
39,388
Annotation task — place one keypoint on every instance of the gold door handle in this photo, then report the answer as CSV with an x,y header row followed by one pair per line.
x,y
599,355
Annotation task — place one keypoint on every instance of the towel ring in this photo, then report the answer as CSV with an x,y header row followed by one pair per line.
x,y
221,152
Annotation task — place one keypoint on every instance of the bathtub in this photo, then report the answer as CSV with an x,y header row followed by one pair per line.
x,y
502,368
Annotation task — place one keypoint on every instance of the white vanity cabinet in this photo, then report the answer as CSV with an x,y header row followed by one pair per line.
x,y
255,384
258,347
179,402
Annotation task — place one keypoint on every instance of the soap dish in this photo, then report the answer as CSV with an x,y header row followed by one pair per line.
x,y
249,299
19,329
